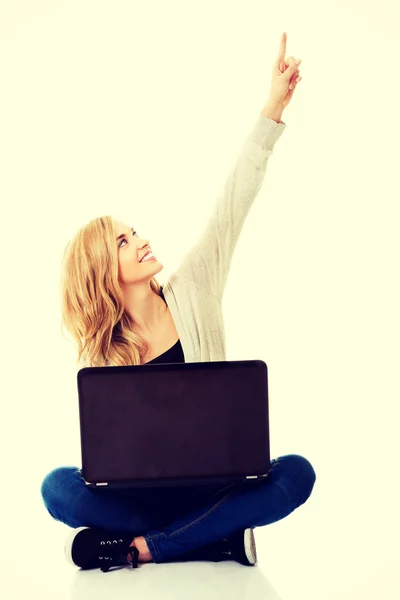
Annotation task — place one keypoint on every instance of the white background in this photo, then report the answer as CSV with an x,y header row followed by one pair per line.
x,y
139,109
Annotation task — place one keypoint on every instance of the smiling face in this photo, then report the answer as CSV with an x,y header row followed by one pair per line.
x,y
131,249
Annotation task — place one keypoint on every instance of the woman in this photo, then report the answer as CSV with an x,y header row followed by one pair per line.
x,y
119,315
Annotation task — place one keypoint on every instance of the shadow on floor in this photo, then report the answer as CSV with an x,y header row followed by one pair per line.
x,y
178,581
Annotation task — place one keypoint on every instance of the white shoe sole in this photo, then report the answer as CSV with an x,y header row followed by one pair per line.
x,y
68,544
250,546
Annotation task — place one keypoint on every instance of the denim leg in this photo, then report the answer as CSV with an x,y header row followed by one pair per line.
x,y
288,485
70,501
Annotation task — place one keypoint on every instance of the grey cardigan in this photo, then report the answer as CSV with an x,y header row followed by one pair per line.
x,y
194,291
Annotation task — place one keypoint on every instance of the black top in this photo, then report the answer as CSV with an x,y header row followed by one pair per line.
x,y
174,354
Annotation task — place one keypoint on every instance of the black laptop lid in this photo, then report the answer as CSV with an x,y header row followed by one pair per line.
x,y
174,421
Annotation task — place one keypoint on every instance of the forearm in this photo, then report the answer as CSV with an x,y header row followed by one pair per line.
x,y
272,112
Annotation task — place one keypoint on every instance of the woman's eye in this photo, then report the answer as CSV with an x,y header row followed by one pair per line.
x,y
123,240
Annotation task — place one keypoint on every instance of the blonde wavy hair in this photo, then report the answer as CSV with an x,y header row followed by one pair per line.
x,y
92,303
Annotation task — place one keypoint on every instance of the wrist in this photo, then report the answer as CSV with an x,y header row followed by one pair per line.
x,y
272,111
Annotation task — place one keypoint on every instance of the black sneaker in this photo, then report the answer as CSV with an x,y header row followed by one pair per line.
x,y
240,547
91,548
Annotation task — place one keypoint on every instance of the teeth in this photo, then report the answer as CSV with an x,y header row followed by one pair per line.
x,y
150,255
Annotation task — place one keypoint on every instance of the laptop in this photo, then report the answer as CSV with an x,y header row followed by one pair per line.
x,y
174,424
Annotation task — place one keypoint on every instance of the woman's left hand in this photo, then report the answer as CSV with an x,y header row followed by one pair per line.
x,y
285,76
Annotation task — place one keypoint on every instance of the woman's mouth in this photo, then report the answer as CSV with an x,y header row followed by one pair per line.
x,y
148,257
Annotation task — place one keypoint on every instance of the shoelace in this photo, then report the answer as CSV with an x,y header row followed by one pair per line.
x,y
114,553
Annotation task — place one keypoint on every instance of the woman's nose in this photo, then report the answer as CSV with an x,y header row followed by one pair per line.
x,y
145,243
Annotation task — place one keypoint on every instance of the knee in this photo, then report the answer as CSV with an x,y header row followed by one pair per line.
x,y
302,475
56,486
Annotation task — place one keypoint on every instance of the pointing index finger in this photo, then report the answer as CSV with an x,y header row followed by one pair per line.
x,y
282,48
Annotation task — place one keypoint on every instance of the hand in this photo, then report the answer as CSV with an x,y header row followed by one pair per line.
x,y
285,76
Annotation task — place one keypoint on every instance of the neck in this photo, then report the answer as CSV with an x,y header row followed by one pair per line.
x,y
146,308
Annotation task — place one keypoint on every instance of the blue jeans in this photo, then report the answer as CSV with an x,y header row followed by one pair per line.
x,y
176,521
